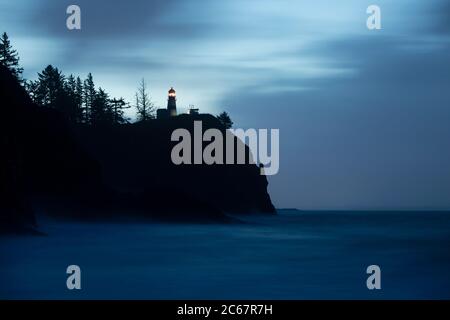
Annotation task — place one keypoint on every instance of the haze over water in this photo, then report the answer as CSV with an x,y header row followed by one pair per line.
x,y
295,255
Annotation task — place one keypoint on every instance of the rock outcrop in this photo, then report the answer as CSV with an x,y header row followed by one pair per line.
x,y
91,172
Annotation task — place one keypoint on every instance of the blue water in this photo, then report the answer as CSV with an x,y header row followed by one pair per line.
x,y
308,255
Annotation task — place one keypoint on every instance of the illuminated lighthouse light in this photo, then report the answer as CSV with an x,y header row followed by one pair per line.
x,y
172,92
171,103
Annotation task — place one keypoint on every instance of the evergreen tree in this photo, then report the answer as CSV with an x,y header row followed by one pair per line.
x,y
32,88
53,90
70,85
117,110
50,88
89,94
9,57
72,106
144,106
79,99
101,109
225,119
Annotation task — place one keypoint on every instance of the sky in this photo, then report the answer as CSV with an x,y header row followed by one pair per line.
x,y
364,115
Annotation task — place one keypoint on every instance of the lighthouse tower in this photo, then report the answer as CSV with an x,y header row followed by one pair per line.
x,y
172,103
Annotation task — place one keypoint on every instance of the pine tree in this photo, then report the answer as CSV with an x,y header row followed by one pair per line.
x,y
117,110
101,109
32,88
79,99
10,58
71,85
50,89
144,105
225,119
72,108
89,94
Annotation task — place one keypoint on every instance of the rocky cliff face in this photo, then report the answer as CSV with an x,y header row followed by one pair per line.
x,y
99,172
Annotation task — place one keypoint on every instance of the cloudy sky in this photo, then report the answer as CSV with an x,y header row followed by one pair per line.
x,y
364,115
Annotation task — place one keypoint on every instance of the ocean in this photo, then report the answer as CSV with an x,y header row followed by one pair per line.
x,y
293,255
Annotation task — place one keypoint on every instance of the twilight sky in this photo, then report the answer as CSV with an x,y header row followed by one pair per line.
x,y
364,116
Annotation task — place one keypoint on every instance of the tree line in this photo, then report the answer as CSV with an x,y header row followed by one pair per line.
x,y
78,99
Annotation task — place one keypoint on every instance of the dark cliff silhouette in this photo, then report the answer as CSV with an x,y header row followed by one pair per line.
x,y
137,158
95,172
39,155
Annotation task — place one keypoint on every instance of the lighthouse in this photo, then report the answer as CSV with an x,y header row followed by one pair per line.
x,y
172,103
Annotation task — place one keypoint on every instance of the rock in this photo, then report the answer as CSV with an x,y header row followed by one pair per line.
x,y
102,173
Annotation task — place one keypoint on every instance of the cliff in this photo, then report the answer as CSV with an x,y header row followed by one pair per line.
x,y
88,172
137,158
39,157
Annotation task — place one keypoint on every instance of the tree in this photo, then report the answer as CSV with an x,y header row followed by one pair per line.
x,y
117,110
71,84
50,88
10,58
101,110
53,90
32,88
225,119
79,99
72,99
144,106
89,95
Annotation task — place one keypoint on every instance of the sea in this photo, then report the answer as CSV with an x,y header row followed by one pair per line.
x,y
291,255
